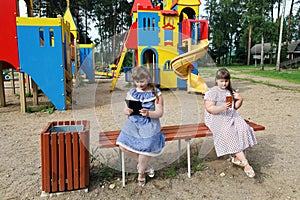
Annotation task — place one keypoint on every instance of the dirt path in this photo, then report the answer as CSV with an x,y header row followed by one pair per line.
x,y
275,158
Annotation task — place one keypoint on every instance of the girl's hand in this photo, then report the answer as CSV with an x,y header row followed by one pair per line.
x,y
128,111
144,112
238,100
228,105
236,96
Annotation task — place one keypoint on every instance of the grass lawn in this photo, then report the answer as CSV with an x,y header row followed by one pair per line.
x,y
291,75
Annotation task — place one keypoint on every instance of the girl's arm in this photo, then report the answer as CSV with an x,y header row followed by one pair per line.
x,y
158,112
238,100
211,107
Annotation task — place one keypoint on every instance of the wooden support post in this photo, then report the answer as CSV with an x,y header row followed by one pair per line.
x,y
27,84
22,92
2,92
12,80
35,92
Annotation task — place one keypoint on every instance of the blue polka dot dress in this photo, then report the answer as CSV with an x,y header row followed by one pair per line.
x,y
141,134
230,131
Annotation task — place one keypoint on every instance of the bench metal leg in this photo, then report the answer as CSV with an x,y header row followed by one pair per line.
x,y
120,159
123,168
179,151
188,149
122,165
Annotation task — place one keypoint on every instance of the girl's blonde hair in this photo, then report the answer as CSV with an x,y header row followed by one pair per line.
x,y
139,73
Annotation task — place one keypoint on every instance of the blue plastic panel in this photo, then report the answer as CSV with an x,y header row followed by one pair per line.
x,y
148,29
43,60
87,62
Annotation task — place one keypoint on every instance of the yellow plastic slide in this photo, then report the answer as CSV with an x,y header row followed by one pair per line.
x,y
119,65
182,63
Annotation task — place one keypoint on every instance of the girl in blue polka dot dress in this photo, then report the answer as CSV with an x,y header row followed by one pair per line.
x,y
141,135
232,135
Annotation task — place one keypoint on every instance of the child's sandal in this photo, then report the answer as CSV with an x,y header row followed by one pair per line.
x,y
149,170
250,173
141,181
238,162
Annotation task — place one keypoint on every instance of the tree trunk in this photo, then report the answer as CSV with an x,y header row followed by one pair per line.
x,y
249,44
40,8
86,27
272,10
29,8
280,37
262,56
114,31
289,23
230,51
278,11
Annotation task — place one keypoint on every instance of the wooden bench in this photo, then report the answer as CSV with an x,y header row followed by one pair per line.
x,y
177,132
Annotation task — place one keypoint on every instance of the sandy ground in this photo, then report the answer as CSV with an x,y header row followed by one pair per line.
x,y
275,158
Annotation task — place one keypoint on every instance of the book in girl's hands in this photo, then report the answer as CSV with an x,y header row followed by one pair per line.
x,y
135,106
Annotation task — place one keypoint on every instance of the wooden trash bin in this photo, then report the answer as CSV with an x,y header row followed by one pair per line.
x,y
65,156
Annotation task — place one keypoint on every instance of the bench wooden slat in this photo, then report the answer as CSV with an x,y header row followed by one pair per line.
x,y
166,130
184,130
175,132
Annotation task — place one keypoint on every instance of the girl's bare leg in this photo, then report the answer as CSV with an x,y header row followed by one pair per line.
x,y
142,166
143,162
241,156
135,156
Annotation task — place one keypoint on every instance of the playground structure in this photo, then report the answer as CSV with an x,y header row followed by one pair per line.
x,y
47,58
87,60
168,38
45,49
108,71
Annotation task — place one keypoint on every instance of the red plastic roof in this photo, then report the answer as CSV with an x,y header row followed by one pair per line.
x,y
144,3
169,12
131,42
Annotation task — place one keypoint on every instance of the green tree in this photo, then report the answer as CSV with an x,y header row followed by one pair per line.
x,y
86,15
112,21
257,26
294,33
79,10
224,21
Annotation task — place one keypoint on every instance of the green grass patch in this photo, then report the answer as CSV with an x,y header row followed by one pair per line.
x,y
198,165
45,107
171,172
290,75
246,67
